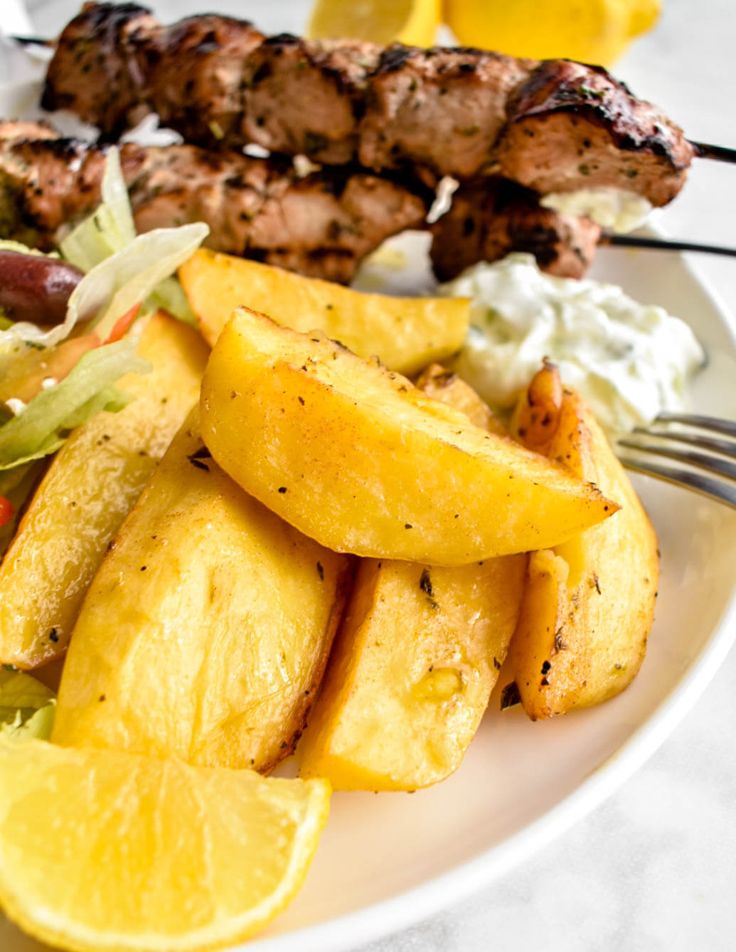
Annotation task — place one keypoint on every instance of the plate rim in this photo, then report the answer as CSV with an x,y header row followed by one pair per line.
x,y
411,906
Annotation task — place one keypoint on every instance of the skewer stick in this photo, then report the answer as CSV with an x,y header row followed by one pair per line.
x,y
718,152
32,41
663,244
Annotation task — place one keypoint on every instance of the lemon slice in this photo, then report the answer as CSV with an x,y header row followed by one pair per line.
x,y
413,22
101,850
594,31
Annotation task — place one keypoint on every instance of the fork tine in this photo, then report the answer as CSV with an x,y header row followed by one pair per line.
x,y
706,486
715,424
726,447
710,463
656,440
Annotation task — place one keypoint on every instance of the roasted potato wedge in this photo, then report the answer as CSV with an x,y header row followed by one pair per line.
x,y
589,602
86,493
359,459
405,333
205,633
414,663
412,671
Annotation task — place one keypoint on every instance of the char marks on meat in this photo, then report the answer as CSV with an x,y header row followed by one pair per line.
x,y
45,181
306,97
322,224
99,70
573,125
196,70
554,126
490,218
438,110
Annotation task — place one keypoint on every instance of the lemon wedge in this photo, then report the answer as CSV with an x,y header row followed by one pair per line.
x,y
593,31
101,850
413,22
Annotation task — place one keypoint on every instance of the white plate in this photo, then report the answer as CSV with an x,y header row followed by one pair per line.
x,y
388,860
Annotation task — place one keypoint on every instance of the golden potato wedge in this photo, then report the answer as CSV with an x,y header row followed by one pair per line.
x,y
405,333
411,672
86,493
205,633
589,602
414,663
359,459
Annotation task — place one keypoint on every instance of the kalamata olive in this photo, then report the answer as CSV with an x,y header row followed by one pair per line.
x,y
35,288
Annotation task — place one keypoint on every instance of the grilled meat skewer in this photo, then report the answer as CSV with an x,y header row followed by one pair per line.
x,y
552,126
322,224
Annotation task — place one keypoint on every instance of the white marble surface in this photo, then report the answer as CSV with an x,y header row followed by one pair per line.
x,y
655,867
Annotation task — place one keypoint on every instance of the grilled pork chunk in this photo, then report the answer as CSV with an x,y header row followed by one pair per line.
x,y
196,69
553,126
307,97
100,68
322,224
573,125
439,110
490,218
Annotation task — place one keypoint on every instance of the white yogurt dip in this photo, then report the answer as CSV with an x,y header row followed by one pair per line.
x,y
628,360
611,208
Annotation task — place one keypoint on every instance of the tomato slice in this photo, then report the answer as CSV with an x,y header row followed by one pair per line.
x,y
6,511
122,324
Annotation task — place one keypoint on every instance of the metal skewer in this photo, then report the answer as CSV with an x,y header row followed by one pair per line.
x,y
32,41
664,244
718,152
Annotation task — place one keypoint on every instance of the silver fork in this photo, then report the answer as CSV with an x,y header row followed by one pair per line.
x,y
711,464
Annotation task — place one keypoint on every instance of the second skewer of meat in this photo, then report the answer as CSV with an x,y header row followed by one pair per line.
x,y
551,126
322,224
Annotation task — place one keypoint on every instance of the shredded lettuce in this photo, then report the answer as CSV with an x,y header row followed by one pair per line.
x,y
38,726
170,296
117,284
109,229
44,424
20,691
128,278
6,244
26,706
122,270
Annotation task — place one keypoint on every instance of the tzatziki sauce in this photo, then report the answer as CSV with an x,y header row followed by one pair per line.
x,y
612,208
628,360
